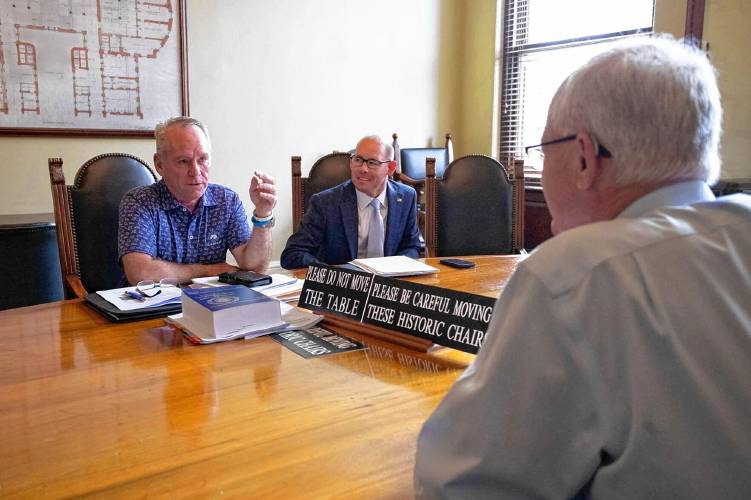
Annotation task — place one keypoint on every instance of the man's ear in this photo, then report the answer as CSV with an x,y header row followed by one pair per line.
x,y
589,162
392,167
157,163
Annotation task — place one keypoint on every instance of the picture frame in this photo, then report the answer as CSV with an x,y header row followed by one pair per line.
x,y
99,69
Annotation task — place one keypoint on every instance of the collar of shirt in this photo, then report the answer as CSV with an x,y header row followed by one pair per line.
x,y
363,200
681,193
169,202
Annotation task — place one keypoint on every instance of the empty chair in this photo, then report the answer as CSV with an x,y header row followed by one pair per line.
x,y
327,172
86,214
476,209
411,170
411,161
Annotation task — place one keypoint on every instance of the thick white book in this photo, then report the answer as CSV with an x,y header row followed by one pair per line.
x,y
293,318
396,265
216,312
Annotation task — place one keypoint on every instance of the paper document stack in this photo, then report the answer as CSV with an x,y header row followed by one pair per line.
x,y
397,265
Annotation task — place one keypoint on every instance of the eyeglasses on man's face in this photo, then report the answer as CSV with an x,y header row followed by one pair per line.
x,y
149,288
536,156
357,161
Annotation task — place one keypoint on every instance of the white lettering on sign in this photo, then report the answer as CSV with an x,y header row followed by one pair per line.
x,y
313,297
290,335
469,310
385,292
360,283
380,313
312,347
344,305
316,274
343,280
331,278
431,302
465,335
428,326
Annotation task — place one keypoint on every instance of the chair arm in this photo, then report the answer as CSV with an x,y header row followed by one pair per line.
x,y
74,284
405,179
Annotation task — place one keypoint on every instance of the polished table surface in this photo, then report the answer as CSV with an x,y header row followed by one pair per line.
x,y
93,408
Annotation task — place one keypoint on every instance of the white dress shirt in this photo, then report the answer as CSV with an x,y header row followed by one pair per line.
x,y
617,365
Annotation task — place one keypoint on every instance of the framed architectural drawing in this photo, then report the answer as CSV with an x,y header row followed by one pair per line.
x,y
91,67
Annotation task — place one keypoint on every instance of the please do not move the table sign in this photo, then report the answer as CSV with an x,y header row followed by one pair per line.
x,y
446,317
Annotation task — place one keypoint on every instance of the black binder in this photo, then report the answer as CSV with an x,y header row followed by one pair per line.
x,y
115,315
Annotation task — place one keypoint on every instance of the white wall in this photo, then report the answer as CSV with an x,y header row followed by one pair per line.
x,y
726,31
282,78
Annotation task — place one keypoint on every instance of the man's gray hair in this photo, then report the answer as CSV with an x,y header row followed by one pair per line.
x,y
654,103
387,148
184,121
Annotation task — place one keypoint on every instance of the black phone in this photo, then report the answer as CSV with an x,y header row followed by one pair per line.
x,y
458,263
247,278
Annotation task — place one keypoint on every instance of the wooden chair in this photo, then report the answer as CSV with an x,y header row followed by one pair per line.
x,y
86,215
327,172
476,209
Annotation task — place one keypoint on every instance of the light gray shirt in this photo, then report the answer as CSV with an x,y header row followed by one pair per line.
x,y
617,365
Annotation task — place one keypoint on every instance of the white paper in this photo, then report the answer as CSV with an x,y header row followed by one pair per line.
x,y
117,297
396,265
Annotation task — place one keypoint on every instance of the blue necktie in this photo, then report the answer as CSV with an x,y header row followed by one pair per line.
x,y
375,230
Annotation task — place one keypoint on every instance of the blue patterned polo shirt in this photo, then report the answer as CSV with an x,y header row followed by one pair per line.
x,y
154,223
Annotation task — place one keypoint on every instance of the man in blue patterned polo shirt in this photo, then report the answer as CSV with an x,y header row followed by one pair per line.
x,y
182,226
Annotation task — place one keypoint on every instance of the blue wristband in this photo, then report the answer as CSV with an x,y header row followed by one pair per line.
x,y
262,222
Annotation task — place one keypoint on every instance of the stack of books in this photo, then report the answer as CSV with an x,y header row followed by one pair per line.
x,y
223,313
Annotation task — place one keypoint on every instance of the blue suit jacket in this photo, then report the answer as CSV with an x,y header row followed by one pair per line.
x,y
328,231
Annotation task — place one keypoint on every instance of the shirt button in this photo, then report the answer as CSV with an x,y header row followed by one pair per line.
x,y
191,237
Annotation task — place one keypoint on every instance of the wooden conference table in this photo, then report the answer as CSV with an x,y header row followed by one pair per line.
x,y
93,408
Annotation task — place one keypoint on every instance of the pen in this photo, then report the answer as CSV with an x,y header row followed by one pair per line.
x,y
135,295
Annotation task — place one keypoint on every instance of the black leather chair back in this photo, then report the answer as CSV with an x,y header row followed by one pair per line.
x,y
29,265
475,207
327,172
413,161
95,197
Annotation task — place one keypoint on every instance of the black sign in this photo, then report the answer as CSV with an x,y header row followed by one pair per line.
x,y
316,341
447,317
337,290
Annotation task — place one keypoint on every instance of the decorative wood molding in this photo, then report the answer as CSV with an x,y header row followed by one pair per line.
x,y
297,192
66,246
431,214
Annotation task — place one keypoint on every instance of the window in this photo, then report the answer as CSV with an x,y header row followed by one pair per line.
x,y
543,42
79,57
26,54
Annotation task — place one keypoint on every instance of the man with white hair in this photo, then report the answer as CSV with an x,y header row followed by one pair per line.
x,y
618,359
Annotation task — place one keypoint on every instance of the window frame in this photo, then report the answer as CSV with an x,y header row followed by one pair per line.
x,y
513,19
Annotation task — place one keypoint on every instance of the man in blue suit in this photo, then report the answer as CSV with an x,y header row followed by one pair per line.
x,y
340,221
